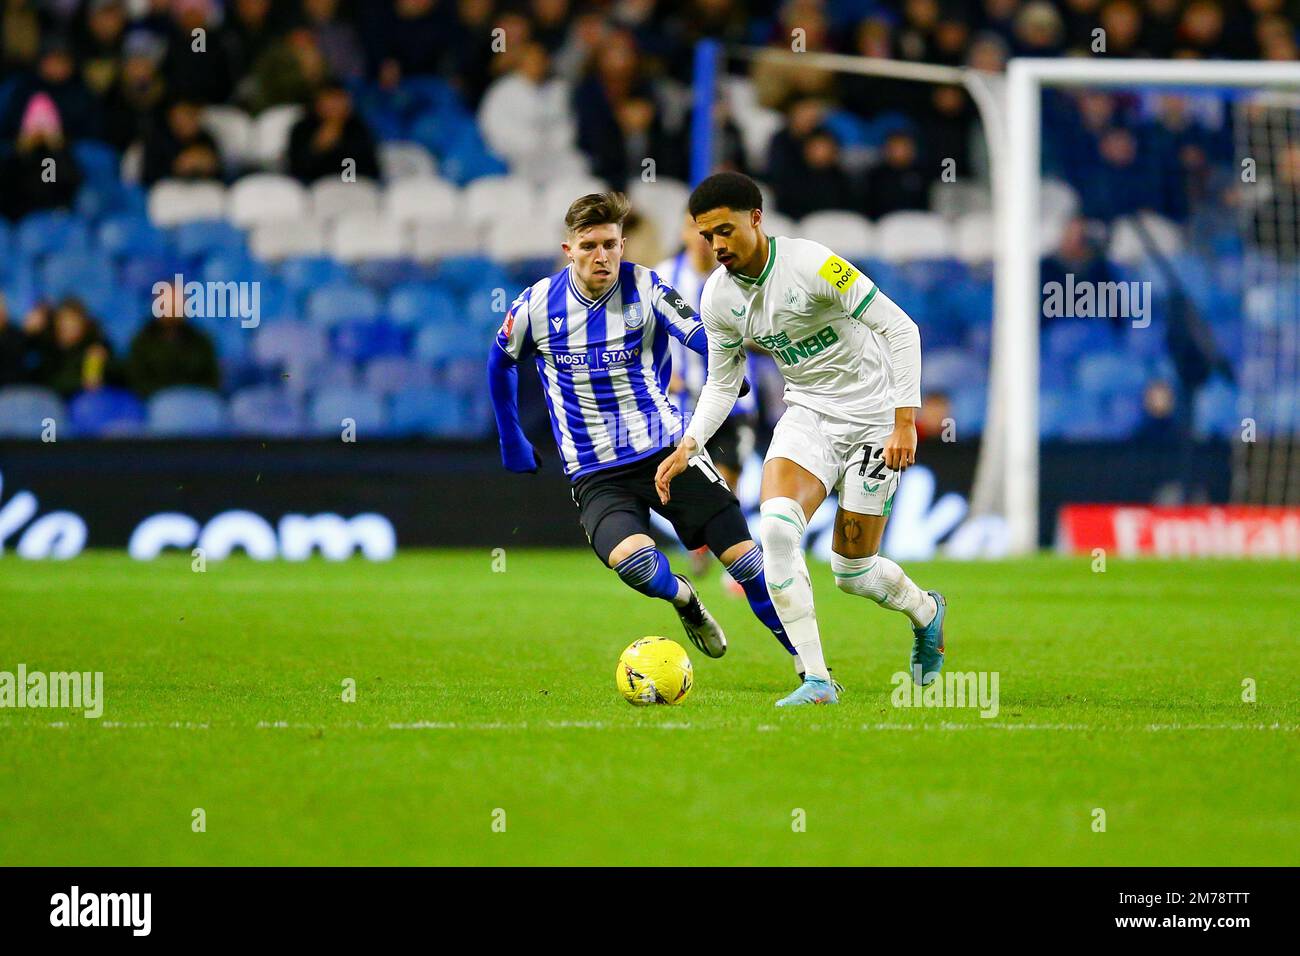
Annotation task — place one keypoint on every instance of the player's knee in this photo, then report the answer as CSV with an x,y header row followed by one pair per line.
x,y
858,576
628,547
781,528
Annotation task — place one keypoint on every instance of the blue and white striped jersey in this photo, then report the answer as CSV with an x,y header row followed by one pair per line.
x,y
604,363
690,366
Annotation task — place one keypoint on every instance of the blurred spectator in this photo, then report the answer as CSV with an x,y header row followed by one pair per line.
x,y
41,172
99,47
250,28
138,94
338,39
1160,26
1159,421
819,181
56,77
1040,31
329,135
1079,19
71,352
526,116
1122,21
169,351
408,37
287,71
1079,255
196,67
180,148
936,411
777,82
13,348
898,182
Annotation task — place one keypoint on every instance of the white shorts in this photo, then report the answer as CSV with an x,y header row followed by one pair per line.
x,y
848,457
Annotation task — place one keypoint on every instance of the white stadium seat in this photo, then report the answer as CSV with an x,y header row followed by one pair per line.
x,y
511,241
848,233
422,200
1127,245
331,197
266,197
902,236
976,239
432,240
358,236
271,134
404,160
173,201
284,238
499,197
663,202
232,129
778,224
560,193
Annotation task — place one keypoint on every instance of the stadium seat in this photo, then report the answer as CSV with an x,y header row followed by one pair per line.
x,y
664,203
282,239
329,408
270,139
1127,245
421,304
342,302
284,344
387,374
358,236
951,369
1071,338
902,236
515,240
301,274
495,198
363,341
332,372
198,238
405,160
434,241
86,275
331,197
422,199
266,197
106,412
957,199
463,274
173,201
448,341
44,232
98,161
561,190
233,130
24,408
1104,373
976,238
775,223
186,411
127,234
268,410
848,233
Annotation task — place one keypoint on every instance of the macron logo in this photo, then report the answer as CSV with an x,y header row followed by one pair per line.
x,y
103,909
556,322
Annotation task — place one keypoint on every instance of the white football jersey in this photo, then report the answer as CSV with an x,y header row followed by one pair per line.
x,y
844,348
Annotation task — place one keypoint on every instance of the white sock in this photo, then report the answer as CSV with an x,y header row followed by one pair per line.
x,y
781,529
885,583
798,664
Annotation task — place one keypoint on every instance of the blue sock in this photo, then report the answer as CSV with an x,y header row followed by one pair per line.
x,y
647,571
747,571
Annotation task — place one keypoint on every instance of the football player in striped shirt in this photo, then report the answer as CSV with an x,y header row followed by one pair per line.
x,y
851,360
598,331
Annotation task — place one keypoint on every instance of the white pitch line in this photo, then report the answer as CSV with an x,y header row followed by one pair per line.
x,y
605,725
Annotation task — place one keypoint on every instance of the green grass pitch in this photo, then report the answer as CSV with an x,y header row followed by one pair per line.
x,y
479,692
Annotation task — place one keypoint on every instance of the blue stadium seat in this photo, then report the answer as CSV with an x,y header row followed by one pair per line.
x,y
363,341
303,273
74,273
106,412
129,234
43,232
395,373
1071,338
436,413
330,406
269,410
969,404
342,302
280,344
951,369
23,408
463,274
447,342
331,373
139,272
421,304
98,161
200,238
1106,373
186,411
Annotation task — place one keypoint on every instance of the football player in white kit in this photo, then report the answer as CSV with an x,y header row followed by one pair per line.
x,y
851,359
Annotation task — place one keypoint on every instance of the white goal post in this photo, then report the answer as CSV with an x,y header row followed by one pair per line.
x,y
1018,309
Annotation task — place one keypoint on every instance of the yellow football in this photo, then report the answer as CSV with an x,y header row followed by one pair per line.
x,y
654,670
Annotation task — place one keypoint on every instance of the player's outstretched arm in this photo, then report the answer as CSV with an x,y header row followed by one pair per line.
x,y
517,452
